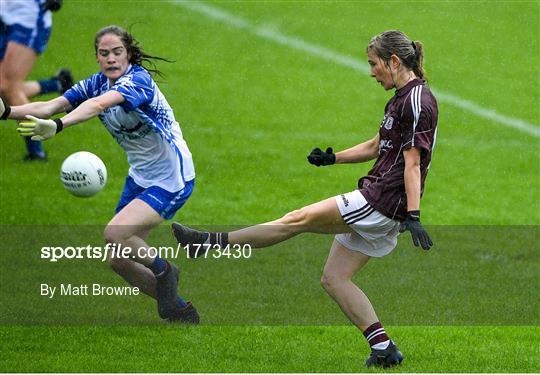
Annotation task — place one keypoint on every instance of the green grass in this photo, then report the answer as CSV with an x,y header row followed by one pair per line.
x,y
262,349
251,110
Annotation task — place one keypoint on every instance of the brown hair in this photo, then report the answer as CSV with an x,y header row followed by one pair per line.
x,y
395,42
136,55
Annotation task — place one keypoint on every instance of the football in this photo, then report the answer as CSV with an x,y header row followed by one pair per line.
x,y
83,174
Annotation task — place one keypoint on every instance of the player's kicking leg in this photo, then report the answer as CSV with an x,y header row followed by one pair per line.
x,y
362,232
321,217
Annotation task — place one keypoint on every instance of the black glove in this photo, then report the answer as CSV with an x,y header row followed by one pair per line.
x,y
53,5
418,233
318,157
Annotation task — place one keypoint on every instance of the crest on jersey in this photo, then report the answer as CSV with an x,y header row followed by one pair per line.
x,y
388,121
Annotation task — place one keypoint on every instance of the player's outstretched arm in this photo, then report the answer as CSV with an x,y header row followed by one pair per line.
x,y
40,129
366,151
92,107
37,109
362,152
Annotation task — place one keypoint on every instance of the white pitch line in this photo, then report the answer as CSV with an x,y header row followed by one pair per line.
x,y
344,60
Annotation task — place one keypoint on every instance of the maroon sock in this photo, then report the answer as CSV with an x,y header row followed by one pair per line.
x,y
375,334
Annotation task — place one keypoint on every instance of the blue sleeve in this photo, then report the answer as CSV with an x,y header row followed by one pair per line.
x,y
79,92
137,89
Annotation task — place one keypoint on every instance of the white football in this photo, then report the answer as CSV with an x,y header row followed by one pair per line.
x,y
83,174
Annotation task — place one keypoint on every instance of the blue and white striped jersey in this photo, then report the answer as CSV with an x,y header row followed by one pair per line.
x,y
145,127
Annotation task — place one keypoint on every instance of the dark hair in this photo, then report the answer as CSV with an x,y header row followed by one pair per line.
x,y
395,42
136,54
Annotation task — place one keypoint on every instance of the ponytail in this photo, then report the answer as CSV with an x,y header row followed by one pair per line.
x,y
418,67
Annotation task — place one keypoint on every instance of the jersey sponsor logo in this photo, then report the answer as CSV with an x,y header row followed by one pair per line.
x,y
121,136
387,122
385,145
122,125
125,129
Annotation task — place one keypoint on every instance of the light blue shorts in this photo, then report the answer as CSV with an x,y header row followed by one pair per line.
x,y
162,201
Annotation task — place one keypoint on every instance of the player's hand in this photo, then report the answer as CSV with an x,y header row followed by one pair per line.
x,y
418,233
5,110
319,157
53,5
39,129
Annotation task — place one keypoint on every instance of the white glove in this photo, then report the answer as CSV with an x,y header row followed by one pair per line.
x,y
37,128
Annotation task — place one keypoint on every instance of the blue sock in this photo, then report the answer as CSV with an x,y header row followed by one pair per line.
x,y
49,85
34,147
181,302
159,266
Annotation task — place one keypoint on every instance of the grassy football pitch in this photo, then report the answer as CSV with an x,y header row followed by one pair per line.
x,y
255,86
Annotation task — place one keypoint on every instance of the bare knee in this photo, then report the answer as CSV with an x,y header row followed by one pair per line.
x,y
327,281
117,263
296,217
330,281
114,234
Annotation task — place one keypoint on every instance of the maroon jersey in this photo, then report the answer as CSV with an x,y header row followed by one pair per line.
x,y
410,120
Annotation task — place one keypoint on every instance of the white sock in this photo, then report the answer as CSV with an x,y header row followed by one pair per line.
x,y
381,345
